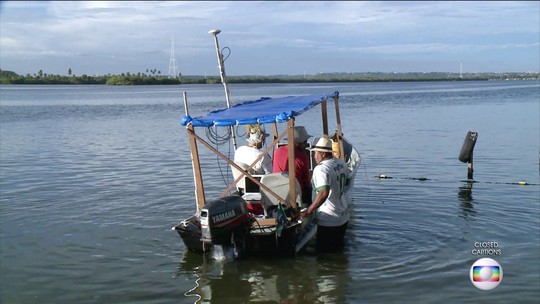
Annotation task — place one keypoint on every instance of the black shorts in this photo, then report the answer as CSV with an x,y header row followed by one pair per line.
x,y
331,239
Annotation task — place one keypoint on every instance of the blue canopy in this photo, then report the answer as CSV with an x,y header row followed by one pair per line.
x,y
264,110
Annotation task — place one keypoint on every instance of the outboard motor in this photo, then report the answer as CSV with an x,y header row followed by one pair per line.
x,y
225,219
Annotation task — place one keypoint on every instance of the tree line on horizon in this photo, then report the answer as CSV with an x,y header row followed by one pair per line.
x,y
154,77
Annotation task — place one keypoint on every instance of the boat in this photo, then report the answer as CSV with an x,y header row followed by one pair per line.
x,y
256,214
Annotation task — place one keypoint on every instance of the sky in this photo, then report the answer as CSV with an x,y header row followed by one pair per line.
x,y
269,37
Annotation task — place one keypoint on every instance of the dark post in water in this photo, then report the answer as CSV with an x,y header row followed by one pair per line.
x,y
466,154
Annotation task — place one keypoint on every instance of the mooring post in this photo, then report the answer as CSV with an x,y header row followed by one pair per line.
x,y
466,153
470,169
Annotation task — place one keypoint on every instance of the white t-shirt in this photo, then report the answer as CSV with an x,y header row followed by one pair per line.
x,y
247,154
332,174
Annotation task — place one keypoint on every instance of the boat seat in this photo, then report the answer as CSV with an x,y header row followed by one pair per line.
x,y
241,185
279,183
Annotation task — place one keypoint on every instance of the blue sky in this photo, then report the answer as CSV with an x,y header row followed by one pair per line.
x,y
270,37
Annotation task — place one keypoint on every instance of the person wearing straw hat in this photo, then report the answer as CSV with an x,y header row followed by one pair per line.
x,y
329,177
255,137
301,162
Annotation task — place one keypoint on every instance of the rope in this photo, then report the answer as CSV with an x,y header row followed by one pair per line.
x,y
520,183
190,292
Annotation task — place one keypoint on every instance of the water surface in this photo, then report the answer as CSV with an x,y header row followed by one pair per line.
x,y
92,178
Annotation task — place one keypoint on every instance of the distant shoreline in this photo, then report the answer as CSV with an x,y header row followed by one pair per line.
x,y
8,77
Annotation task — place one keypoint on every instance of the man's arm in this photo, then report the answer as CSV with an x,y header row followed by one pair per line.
x,y
322,195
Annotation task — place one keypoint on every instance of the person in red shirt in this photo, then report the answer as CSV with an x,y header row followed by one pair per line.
x,y
301,162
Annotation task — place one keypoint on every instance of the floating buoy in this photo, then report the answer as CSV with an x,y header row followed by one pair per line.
x,y
465,155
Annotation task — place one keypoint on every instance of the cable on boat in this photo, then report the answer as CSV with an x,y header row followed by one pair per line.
x,y
238,133
228,174
228,54
219,140
214,137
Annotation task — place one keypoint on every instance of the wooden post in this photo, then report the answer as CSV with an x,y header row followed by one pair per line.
x,y
195,163
275,137
470,169
324,113
292,169
197,174
339,131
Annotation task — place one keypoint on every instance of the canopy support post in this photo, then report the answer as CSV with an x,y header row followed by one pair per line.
x,y
275,138
324,113
195,163
292,170
339,131
197,174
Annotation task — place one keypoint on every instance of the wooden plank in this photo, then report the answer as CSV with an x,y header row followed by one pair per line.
x,y
339,131
197,174
324,114
275,139
292,170
264,222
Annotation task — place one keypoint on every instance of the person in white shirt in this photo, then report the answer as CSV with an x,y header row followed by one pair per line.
x,y
255,138
329,178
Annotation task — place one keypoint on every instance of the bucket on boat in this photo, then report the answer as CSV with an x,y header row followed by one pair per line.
x,y
335,149
255,207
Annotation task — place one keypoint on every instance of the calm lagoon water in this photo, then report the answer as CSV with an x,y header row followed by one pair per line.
x,y
92,178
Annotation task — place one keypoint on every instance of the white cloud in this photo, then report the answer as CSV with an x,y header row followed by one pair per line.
x,y
138,34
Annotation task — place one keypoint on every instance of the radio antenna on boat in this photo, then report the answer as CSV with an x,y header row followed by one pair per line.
x,y
219,53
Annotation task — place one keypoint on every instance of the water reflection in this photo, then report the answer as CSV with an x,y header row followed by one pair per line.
x,y
303,279
466,201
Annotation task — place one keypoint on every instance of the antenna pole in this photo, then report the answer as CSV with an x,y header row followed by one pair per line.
x,y
173,67
214,33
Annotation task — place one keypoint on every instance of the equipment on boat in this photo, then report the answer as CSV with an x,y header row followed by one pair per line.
x,y
223,217
256,214
221,63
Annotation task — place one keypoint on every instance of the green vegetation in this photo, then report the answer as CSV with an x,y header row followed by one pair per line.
x,y
9,77
154,77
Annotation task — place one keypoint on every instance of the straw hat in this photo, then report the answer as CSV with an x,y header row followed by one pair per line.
x,y
255,134
300,134
323,145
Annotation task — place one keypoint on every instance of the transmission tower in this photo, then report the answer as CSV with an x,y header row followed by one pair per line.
x,y
173,68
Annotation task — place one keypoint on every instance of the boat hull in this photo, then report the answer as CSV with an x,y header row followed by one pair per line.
x,y
262,239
